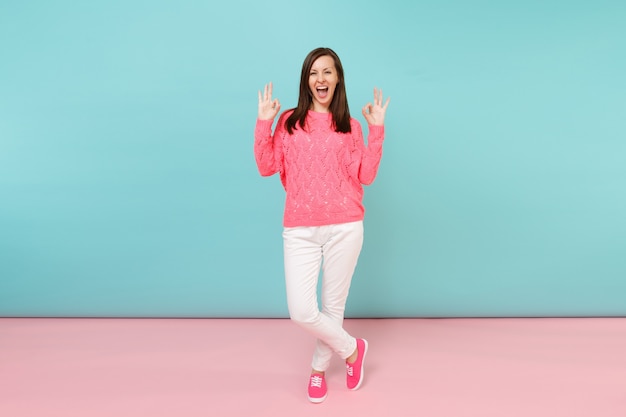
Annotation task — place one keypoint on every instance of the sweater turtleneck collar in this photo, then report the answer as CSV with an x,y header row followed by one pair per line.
x,y
319,115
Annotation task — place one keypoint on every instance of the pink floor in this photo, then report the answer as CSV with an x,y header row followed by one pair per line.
x,y
256,368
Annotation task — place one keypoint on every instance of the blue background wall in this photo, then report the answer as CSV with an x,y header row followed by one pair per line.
x,y
128,185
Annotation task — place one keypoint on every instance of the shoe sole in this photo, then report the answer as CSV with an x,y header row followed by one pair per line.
x,y
318,400
362,367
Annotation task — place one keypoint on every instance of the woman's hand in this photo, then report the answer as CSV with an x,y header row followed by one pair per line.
x,y
375,113
268,108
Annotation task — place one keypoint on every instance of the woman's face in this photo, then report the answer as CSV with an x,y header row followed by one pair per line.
x,y
322,81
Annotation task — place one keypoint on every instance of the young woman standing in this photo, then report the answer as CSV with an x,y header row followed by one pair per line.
x,y
320,154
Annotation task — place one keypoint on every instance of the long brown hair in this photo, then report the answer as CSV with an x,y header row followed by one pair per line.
x,y
339,104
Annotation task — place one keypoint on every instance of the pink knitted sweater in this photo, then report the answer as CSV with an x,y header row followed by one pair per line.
x,y
320,169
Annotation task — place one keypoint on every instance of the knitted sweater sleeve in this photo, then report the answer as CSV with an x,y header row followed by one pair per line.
x,y
268,147
370,154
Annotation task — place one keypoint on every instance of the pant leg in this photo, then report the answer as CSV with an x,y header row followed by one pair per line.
x,y
340,256
303,248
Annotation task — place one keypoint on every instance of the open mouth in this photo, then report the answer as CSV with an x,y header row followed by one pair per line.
x,y
322,92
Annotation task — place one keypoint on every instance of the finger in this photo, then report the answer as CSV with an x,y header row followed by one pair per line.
x,y
260,99
270,91
386,104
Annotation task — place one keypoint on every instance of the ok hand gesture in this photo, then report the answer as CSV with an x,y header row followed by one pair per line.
x,y
268,108
375,113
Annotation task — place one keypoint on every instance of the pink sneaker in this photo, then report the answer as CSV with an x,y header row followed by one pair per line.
x,y
317,388
354,370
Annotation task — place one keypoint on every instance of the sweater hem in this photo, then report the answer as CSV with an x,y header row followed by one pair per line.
x,y
326,222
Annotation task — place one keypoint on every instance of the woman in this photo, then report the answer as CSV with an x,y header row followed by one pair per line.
x,y
319,152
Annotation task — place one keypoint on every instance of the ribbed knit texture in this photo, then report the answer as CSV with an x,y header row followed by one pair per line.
x,y
321,170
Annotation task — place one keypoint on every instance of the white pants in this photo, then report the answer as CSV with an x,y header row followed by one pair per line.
x,y
334,248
